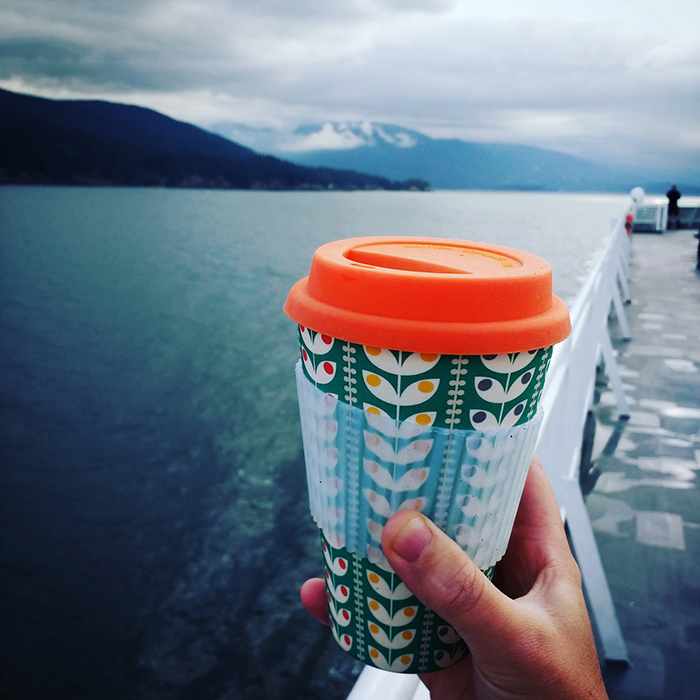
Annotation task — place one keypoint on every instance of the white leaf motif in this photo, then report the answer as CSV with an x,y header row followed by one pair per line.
x,y
323,373
376,556
331,429
493,391
511,418
505,364
401,591
484,449
339,565
519,385
419,392
419,362
448,634
409,427
414,451
345,640
342,616
445,659
334,517
467,537
332,486
490,390
341,593
414,363
379,660
321,344
399,641
412,479
336,539
485,420
378,503
472,506
482,420
330,458
414,394
380,387
375,529
477,477
413,504
382,507
398,619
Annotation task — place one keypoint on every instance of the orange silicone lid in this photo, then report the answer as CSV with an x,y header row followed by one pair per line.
x,y
430,295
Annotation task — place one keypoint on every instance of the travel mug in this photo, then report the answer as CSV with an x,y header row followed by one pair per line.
x,y
422,364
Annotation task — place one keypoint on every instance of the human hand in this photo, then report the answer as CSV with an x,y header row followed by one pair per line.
x,y
528,632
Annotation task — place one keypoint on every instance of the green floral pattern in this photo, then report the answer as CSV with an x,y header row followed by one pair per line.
x,y
479,392
389,430
376,619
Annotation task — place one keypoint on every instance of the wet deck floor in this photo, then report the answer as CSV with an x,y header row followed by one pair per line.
x,y
645,500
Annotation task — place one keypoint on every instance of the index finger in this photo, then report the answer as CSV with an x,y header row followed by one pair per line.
x,y
538,540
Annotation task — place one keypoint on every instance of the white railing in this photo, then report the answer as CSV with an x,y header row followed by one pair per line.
x,y
650,217
566,400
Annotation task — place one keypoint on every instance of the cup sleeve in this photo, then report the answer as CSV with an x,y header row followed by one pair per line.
x,y
361,468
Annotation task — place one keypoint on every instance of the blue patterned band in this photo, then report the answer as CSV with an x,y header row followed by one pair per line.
x,y
363,467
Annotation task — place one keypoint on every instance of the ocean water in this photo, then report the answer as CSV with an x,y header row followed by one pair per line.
x,y
154,529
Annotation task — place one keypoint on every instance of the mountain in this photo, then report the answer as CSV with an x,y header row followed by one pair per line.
x,y
392,151
454,164
83,142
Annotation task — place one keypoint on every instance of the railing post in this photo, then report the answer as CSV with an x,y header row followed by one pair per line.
x,y
620,310
595,583
613,373
622,279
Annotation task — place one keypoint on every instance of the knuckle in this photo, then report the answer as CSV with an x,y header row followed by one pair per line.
x,y
575,574
570,573
463,589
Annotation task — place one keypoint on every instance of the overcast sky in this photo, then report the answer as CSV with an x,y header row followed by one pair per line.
x,y
607,79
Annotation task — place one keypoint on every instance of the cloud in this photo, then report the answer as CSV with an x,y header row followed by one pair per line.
x,y
326,139
546,74
343,136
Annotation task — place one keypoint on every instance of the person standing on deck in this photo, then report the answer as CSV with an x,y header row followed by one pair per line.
x,y
673,196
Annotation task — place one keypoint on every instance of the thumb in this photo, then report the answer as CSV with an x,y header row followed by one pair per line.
x,y
446,580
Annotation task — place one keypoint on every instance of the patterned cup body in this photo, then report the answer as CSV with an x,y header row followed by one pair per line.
x,y
479,392
385,430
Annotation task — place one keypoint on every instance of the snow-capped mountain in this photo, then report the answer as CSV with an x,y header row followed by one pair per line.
x,y
327,136
398,153
343,136
393,151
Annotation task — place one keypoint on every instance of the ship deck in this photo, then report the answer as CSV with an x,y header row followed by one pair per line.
x,y
644,496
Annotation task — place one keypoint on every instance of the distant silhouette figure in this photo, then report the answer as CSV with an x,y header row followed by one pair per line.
x,y
697,265
673,196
